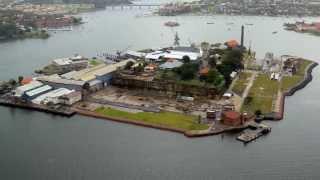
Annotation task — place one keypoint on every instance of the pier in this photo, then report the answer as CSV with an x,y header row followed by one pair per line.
x,y
254,132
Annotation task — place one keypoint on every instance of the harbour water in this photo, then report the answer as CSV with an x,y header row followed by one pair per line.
x,y
36,145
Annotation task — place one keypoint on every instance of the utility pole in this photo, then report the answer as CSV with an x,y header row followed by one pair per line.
x,y
176,40
242,36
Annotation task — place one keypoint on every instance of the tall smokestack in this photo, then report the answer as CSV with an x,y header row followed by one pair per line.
x,y
242,35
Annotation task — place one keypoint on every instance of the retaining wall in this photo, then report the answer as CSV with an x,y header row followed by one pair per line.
x,y
189,134
307,78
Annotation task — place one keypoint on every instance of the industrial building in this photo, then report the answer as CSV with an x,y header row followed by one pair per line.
x,y
31,85
177,53
71,98
72,63
52,96
57,82
29,95
98,76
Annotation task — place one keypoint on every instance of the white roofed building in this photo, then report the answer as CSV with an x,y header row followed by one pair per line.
x,y
36,92
57,82
52,96
171,64
22,89
175,53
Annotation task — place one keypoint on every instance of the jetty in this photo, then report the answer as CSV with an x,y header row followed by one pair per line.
x,y
254,132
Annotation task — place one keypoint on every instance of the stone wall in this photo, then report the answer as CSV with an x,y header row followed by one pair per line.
x,y
170,88
307,79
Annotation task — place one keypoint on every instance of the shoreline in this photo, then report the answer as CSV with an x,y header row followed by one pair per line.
x,y
189,134
211,128
307,79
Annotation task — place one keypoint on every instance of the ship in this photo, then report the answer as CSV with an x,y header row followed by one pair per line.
x,y
171,24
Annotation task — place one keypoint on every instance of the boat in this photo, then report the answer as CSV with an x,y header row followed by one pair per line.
x,y
171,24
210,22
274,32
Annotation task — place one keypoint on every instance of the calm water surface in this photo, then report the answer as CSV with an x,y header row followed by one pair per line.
x,y
38,146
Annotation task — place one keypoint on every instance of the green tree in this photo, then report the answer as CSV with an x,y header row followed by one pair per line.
x,y
212,61
225,70
186,59
8,30
215,78
138,68
12,82
20,78
128,65
187,71
187,74
233,58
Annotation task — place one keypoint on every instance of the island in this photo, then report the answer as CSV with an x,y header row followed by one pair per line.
x,y
303,27
196,90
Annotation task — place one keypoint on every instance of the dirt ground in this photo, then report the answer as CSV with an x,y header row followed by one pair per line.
x,y
151,98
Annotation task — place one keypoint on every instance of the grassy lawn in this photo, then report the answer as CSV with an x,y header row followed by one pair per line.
x,y
290,81
168,119
262,92
194,82
167,75
95,62
170,75
241,83
263,86
264,104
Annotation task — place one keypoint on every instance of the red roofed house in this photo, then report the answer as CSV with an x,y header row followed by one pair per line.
x,y
26,80
231,118
232,44
204,71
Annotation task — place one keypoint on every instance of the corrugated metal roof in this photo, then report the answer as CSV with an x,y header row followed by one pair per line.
x,y
58,92
38,90
52,94
69,75
60,81
87,74
62,61
112,67
31,85
173,55
100,70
